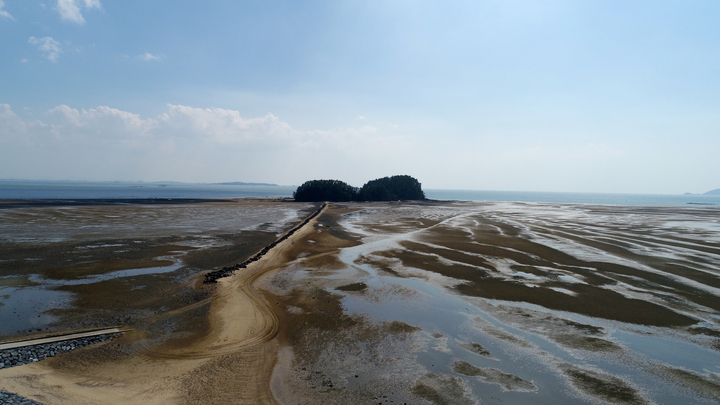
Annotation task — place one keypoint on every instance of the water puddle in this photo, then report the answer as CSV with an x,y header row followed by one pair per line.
x,y
25,308
35,278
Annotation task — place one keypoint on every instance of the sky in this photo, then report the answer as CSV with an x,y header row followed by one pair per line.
x,y
575,96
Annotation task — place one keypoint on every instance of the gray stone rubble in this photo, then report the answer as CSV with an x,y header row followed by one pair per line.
x,y
8,398
31,354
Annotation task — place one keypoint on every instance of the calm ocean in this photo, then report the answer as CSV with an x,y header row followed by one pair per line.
x,y
33,190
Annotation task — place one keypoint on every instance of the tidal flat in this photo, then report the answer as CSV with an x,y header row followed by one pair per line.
x,y
428,302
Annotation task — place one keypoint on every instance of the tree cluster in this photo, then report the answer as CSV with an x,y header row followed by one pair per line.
x,y
325,190
385,189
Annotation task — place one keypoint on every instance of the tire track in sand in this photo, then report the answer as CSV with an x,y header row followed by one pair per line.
x,y
240,317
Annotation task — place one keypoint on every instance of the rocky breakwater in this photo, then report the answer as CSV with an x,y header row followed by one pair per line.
x,y
214,276
30,354
33,353
8,398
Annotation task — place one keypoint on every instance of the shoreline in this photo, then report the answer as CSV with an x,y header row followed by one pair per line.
x,y
62,202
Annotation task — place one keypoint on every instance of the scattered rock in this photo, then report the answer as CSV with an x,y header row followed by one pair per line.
x,y
8,398
31,354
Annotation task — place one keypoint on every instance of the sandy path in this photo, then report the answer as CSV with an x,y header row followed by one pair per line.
x,y
231,364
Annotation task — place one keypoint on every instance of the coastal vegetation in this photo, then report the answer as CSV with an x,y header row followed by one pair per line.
x,y
325,190
401,187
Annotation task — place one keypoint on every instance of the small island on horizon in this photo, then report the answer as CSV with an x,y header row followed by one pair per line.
x,y
400,187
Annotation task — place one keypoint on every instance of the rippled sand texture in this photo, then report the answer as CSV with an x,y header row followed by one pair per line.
x,y
502,303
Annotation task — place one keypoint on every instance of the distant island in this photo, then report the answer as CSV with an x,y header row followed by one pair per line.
x,y
713,192
240,183
393,188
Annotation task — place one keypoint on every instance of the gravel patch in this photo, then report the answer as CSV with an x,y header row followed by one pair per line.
x,y
7,398
32,354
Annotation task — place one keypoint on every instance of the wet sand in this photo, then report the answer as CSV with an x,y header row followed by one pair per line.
x,y
424,303
501,302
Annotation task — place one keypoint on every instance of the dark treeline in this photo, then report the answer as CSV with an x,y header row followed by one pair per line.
x,y
385,189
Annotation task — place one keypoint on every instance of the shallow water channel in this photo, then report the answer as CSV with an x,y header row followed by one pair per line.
x,y
507,351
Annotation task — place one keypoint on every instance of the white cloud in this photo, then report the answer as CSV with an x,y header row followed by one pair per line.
x,y
48,46
70,9
4,13
148,56
184,143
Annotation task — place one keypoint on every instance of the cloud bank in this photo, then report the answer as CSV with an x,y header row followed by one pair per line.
x,y
184,143
192,144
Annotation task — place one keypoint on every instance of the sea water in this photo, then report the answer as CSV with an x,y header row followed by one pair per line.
x,y
35,190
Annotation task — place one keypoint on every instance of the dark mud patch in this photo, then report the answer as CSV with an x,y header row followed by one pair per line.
x,y
162,307
442,390
699,330
397,327
591,301
603,386
432,263
476,348
329,221
233,248
501,334
589,343
705,385
17,282
68,260
354,287
383,265
583,327
453,255
341,358
508,382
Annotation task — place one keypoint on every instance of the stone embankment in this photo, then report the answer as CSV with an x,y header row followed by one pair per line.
x,y
214,276
31,354
8,398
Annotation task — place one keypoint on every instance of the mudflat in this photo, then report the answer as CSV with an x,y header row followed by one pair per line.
x,y
427,302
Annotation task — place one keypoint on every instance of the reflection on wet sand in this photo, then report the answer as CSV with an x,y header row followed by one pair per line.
x,y
510,302
430,302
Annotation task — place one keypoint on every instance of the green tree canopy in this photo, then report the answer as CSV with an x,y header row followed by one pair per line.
x,y
392,188
325,190
385,189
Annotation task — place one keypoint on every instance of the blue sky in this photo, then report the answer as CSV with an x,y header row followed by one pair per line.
x,y
504,95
